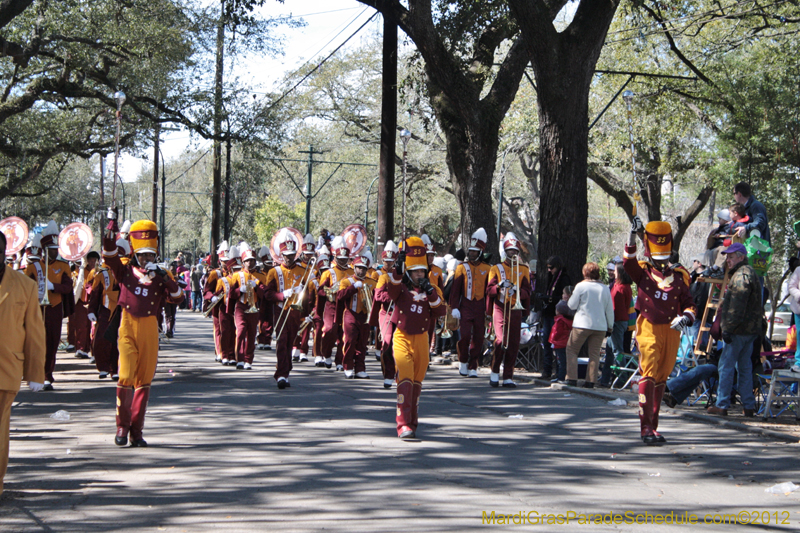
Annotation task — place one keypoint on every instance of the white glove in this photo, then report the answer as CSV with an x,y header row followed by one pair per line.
x,y
358,284
35,387
297,289
287,294
512,291
214,299
309,319
507,284
253,283
50,286
456,314
636,224
92,317
679,322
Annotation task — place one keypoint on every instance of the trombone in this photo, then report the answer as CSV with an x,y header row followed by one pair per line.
x,y
296,300
366,293
211,307
46,298
507,307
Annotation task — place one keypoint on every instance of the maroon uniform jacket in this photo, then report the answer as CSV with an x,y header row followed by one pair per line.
x,y
414,310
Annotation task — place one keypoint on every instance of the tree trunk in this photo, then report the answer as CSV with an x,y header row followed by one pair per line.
x,y
385,229
563,64
216,193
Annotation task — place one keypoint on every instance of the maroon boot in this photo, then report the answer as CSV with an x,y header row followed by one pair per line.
x,y
658,396
646,399
405,393
416,391
139,407
124,401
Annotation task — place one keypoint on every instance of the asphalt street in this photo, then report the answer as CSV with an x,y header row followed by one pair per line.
x,y
229,451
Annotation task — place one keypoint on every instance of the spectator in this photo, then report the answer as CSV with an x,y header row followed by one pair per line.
x,y
740,323
621,297
559,335
555,281
611,269
755,211
794,297
716,237
739,219
679,388
699,292
594,321
197,289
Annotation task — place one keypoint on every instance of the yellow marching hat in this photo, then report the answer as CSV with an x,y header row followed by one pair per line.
x,y
144,237
416,251
658,240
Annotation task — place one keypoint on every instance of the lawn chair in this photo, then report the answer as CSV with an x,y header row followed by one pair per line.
x,y
531,347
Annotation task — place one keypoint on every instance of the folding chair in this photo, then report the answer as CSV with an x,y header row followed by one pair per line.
x,y
625,370
531,347
782,394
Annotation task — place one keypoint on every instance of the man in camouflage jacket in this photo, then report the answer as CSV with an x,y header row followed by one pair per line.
x,y
740,323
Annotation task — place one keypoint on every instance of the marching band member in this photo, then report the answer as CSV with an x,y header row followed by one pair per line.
x,y
331,329
227,324
79,321
300,345
56,284
284,283
436,279
23,349
353,296
209,294
265,308
503,294
318,302
143,287
417,304
101,306
382,314
467,298
665,306
246,289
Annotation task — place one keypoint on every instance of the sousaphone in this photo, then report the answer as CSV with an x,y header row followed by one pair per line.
x,y
355,238
75,241
16,232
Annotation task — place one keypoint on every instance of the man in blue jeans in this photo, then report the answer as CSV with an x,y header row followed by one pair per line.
x,y
740,323
679,388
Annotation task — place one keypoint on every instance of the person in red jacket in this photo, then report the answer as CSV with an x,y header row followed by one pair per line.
x,y
559,333
621,297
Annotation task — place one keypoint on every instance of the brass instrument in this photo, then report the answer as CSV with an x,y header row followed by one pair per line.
x,y
489,335
507,308
366,293
211,308
330,292
250,297
46,298
306,323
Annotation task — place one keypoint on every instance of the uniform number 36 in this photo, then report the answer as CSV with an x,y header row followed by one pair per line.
x,y
416,309
660,296
141,291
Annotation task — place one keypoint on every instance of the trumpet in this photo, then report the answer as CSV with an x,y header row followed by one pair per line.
x,y
46,298
250,297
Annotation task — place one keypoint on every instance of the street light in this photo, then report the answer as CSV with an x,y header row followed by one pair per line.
x,y
405,136
119,97
627,96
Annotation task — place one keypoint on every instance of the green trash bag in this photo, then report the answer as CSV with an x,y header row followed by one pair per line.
x,y
759,254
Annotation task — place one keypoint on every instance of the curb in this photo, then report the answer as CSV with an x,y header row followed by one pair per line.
x,y
709,419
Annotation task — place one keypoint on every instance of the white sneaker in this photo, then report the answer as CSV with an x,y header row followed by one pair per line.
x,y
295,355
248,366
103,375
225,362
509,383
387,383
91,360
473,373
362,375
240,366
462,369
328,362
217,358
319,361
303,358
494,379
348,374
339,368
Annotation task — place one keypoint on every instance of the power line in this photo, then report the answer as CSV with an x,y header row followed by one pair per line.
x,y
190,168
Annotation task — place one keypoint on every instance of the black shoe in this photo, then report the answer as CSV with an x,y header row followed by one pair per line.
x,y
546,375
139,443
652,440
282,384
669,400
554,380
407,434
494,384
588,385
121,441
661,438
47,386
572,382
510,385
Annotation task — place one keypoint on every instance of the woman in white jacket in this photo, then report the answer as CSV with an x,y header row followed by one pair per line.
x,y
594,321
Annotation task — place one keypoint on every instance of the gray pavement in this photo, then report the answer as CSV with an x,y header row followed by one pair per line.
x,y
229,451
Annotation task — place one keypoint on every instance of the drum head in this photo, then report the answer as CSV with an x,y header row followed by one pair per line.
x,y
75,241
16,232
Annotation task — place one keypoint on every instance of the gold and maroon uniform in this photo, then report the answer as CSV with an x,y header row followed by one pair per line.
x,y
282,278
102,303
468,295
354,324
246,321
331,328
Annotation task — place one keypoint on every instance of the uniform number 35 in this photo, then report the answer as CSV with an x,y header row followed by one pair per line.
x,y
659,295
141,291
416,309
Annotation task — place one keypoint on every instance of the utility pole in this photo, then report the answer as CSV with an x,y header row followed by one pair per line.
x,y
102,209
228,228
308,195
217,185
154,208
385,227
163,230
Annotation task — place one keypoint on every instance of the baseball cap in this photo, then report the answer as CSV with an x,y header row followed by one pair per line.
x,y
734,248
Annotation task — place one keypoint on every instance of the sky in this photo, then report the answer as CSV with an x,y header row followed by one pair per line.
x,y
328,24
